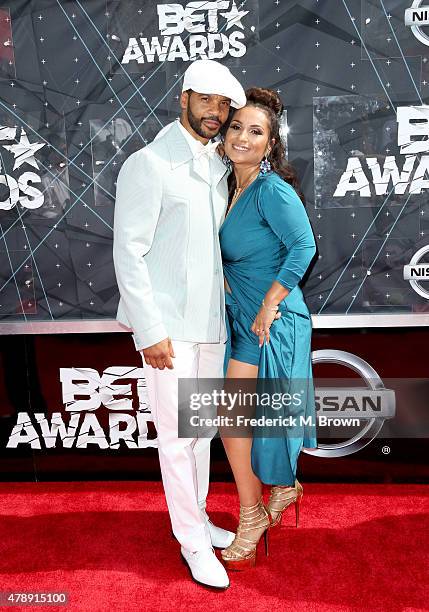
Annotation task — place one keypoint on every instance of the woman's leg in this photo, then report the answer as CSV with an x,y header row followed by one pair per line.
x,y
238,449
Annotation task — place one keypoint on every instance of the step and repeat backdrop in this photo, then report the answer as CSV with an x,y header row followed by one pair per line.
x,y
85,84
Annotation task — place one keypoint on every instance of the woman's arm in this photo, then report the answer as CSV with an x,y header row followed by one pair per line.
x,y
286,215
284,212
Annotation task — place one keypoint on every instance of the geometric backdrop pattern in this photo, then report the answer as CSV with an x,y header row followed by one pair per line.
x,y
85,84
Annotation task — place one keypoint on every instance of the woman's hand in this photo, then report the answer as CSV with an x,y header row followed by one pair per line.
x,y
262,323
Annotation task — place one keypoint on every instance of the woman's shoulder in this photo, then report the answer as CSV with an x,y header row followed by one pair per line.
x,y
272,184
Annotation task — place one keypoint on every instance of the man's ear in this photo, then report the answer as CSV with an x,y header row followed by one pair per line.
x,y
184,97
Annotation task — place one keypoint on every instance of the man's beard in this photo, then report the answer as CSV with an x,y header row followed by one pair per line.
x,y
197,126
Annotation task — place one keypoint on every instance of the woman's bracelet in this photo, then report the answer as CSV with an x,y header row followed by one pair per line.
x,y
274,309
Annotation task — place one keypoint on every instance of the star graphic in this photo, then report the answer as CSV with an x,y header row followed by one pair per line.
x,y
234,16
24,151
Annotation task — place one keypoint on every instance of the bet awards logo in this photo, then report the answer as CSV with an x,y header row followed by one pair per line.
x,y
198,30
120,390
20,186
413,141
416,271
416,17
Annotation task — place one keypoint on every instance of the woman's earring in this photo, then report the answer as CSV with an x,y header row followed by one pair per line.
x,y
265,165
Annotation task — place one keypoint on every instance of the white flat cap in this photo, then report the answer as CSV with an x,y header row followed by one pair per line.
x,y
210,77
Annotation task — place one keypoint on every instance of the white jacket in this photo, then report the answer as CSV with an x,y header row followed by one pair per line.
x,y
165,244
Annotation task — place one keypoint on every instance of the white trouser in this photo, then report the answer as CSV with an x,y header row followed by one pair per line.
x,y
184,462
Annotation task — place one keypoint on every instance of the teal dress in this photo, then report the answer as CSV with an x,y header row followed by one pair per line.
x,y
266,237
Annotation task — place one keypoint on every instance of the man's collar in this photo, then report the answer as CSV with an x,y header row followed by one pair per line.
x,y
183,146
195,144
178,146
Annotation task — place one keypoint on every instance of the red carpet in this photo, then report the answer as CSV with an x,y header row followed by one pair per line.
x,y
358,547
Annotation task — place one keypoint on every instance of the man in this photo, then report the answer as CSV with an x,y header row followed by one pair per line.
x,y
171,199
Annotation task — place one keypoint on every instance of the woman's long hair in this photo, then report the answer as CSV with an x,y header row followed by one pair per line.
x,y
269,102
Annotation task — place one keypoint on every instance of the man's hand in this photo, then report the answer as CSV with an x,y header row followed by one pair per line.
x,y
159,355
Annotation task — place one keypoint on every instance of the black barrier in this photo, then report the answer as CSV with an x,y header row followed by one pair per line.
x,y
75,407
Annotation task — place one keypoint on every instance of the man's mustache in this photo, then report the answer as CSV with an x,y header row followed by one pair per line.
x,y
212,118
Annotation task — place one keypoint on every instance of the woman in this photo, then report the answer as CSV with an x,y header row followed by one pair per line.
x,y
267,245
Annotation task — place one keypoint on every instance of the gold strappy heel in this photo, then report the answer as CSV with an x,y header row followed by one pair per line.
x,y
254,523
281,498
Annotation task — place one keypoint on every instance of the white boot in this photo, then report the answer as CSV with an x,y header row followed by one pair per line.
x,y
221,538
206,568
